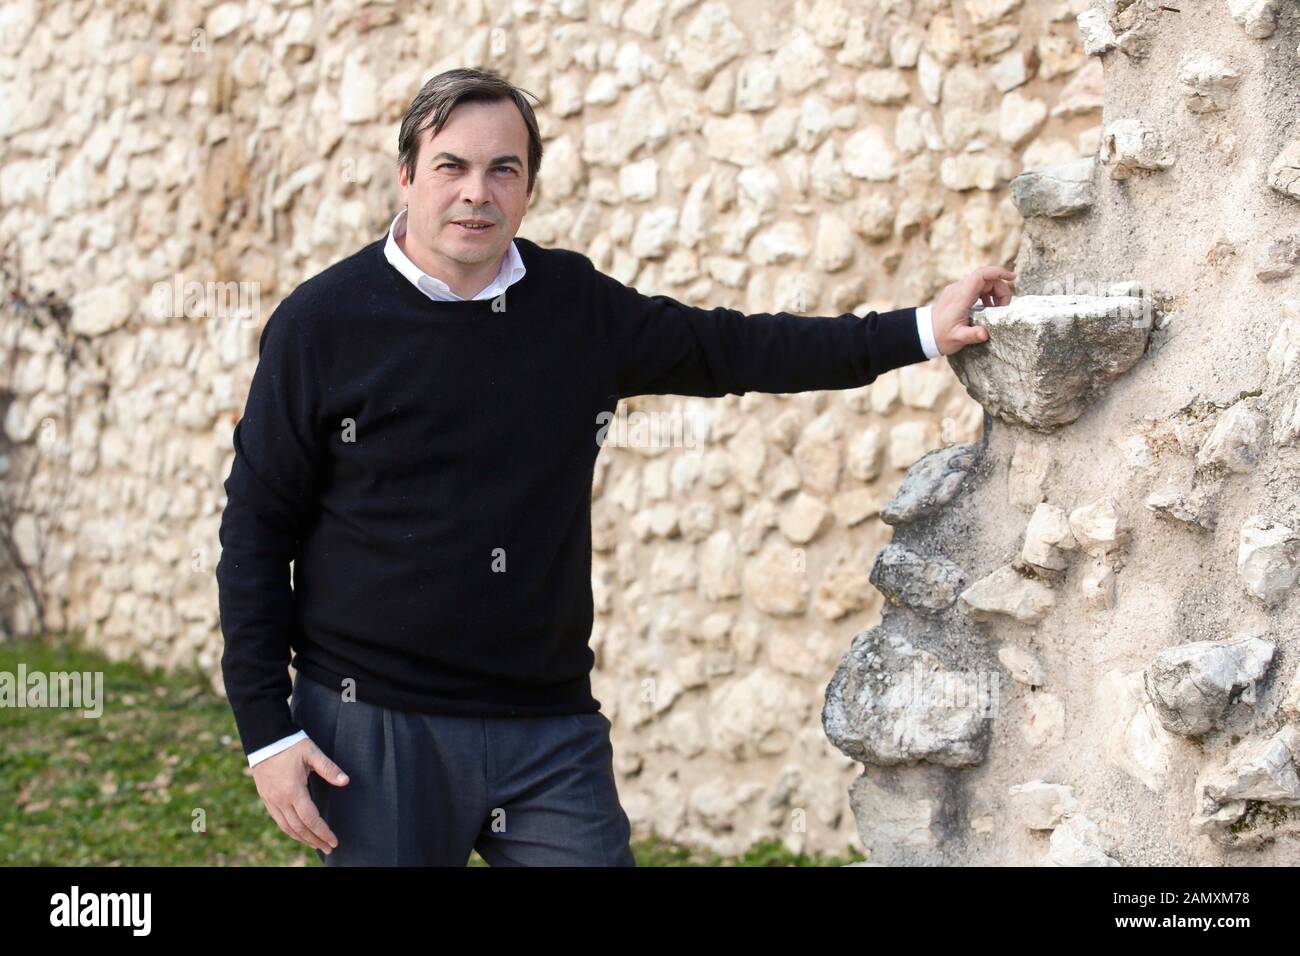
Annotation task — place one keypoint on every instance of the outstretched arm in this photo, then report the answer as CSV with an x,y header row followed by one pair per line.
x,y
660,346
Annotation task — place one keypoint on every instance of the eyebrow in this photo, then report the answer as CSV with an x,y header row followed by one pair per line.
x,y
496,160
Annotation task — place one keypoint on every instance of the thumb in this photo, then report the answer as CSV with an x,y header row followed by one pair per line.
x,y
970,334
325,767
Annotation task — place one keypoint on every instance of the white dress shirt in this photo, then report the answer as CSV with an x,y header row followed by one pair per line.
x,y
511,271
925,328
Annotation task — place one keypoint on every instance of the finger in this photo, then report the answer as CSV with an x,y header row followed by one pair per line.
x,y
314,822
971,334
301,831
281,821
980,281
328,769
988,274
1001,292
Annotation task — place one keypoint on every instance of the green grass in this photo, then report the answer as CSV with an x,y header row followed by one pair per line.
x,y
160,779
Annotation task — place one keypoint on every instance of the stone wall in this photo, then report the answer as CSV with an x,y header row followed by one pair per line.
x,y
1122,548
816,158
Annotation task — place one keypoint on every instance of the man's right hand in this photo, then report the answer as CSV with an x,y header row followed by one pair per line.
x,y
951,314
282,784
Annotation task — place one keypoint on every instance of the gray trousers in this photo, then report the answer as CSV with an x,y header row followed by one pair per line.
x,y
424,789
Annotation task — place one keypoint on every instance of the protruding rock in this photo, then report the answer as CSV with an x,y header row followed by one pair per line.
x,y
1284,174
1058,191
1233,444
1257,17
1078,842
1047,539
1101,528
1191,685
1044,724
1178,504
1129,144
1007,592
1208,82
1047,356
930,484
908,579
1022,664
891,703
1257,771
1027,473
1095,32
1286,431
1042,806
1284,350
1291,702
1135,742
1278,259
1268,558
1098,586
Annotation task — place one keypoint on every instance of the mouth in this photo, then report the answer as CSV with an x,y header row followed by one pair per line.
x,y
473,226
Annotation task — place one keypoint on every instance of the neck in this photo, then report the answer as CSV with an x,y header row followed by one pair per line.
x,y
465,281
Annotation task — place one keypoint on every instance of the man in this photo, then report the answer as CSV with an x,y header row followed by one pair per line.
x,y
418,441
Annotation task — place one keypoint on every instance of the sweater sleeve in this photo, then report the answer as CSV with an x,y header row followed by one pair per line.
x,y
660,346
270,504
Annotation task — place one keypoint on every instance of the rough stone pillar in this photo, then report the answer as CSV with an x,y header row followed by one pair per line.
x,y
1090,651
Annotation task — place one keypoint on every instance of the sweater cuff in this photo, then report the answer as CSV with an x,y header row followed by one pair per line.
x,y
925,329
898,341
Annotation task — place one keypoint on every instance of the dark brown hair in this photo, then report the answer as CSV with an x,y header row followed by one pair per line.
x,y
441,94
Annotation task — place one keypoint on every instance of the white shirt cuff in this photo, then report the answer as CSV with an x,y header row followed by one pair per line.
x,y
270,750
925,328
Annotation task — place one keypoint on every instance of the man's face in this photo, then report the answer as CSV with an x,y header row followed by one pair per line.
x,y
475,168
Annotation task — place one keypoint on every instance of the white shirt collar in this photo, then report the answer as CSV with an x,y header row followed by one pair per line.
x,y
511,271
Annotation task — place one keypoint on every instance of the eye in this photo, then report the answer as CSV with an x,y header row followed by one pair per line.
x,y
509,169
445,165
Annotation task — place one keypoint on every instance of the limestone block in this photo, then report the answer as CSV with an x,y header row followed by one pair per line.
x,y
1078,842
1047,356
909,579
1007,592
1208,82
1039,805
1191,685
1257,17
1135,741
930,484
1262,771
1268,558
1130,144
890,703
1284,174
1047,539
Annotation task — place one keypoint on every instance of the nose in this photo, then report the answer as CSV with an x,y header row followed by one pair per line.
x,y
475,189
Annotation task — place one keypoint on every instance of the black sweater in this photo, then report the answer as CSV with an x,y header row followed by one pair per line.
x,y
427,467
